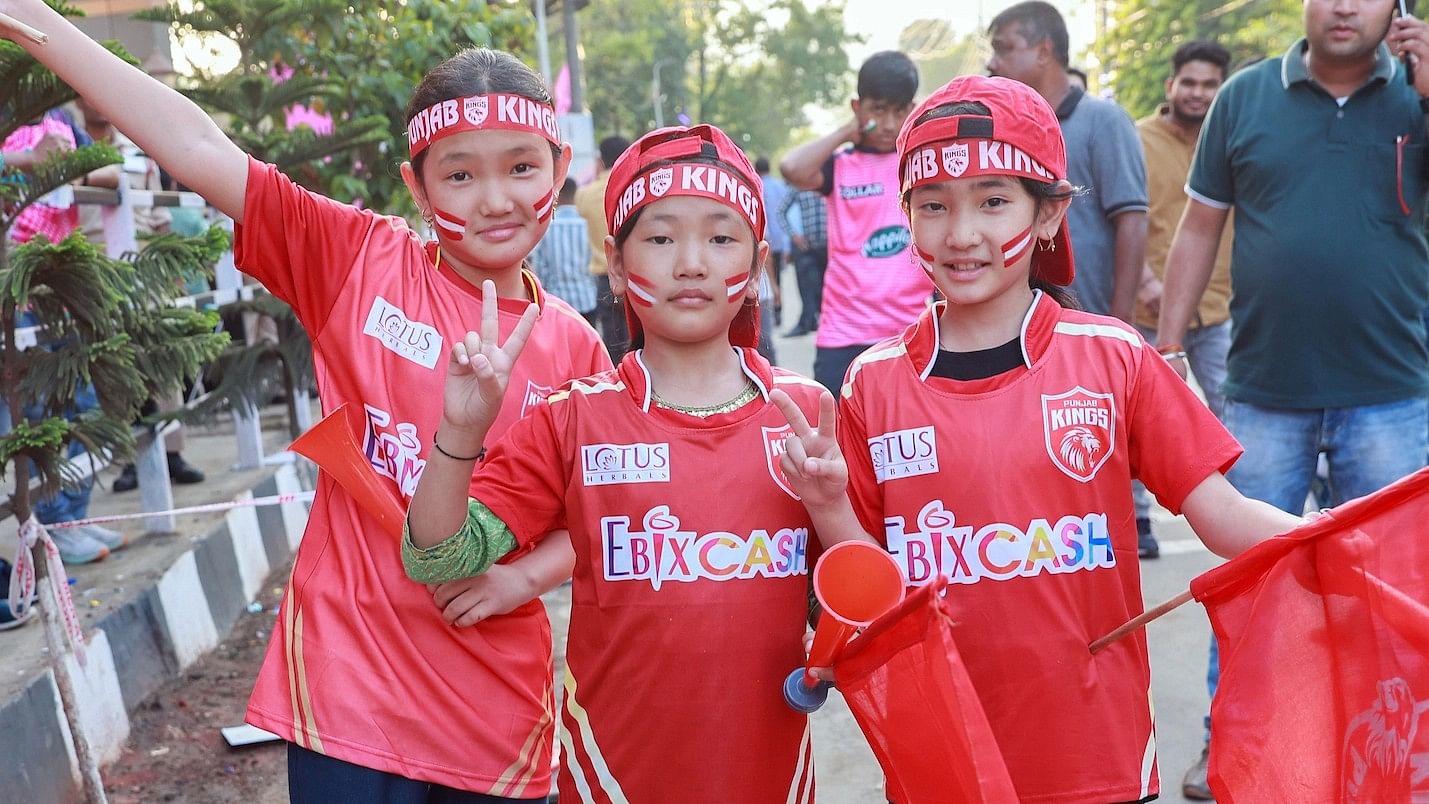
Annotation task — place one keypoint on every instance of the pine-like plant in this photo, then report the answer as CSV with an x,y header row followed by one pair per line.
x,y
103,321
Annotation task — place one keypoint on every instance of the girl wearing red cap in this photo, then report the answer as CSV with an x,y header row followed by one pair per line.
x,y
690,583
993,441
348,679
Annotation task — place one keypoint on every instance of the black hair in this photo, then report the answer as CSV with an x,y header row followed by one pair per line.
x,y
476,71
1037,21
1041,192
568,191
888,76
1079,73
761,165
611,148
1201,50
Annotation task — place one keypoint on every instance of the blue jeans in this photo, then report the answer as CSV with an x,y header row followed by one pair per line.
x,y
68,504
314,777
1368,447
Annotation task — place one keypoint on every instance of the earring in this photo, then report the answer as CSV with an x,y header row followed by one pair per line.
x,y
1050,244
427,219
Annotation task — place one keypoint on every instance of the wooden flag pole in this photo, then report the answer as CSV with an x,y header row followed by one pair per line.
x,y
1141,620
7,21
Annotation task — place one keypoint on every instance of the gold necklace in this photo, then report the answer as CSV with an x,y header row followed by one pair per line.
x,y
744,397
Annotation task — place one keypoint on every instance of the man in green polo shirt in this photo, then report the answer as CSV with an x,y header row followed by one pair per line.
x,y
1321,153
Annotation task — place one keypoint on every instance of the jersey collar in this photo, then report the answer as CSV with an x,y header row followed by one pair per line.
x,y
922,340
636,378
534,291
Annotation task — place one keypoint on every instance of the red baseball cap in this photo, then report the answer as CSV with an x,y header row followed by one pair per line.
x,y
661,165
1019,137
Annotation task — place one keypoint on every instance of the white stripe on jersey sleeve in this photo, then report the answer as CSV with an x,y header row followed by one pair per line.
x,y
870,357
795,379
582,388
1098,331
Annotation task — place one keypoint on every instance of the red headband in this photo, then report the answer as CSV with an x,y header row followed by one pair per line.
x,y
941,161
494,111
690,178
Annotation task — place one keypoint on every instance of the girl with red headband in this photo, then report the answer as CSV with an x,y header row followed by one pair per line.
x,y
689,594
993,441
349,679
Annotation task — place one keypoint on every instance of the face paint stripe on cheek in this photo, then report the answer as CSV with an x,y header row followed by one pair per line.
x,y
545,206
1013,249
923,258
640,289
735,285
448,224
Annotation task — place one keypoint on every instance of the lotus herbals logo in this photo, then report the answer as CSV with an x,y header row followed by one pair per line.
x,y
889,241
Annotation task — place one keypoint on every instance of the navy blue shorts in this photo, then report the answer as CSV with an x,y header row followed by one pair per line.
x,y
317,779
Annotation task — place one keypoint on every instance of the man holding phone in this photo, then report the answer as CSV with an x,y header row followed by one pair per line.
x,y
1321,153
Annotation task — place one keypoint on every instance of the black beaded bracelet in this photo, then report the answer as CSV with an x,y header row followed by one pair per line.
x,y
438,447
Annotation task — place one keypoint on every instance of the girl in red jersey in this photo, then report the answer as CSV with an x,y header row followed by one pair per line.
x,y
690,581
992,443
348,679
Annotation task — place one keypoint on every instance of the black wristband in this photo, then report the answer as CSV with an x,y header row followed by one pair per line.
x,y
438,447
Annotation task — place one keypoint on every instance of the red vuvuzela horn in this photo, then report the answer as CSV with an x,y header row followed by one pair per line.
x,y
856,583
332,445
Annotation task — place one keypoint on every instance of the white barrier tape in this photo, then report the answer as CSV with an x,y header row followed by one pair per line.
x,y
22,583
276,499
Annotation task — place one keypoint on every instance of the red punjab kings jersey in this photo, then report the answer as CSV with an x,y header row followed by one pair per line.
x,y
1017,489
689,595
361,666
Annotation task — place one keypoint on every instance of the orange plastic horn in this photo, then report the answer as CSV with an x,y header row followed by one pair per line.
x,y
332,445
856,583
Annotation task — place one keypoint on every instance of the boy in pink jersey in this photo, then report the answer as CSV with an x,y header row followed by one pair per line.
x,y
349,678
993,442
872,288
690,550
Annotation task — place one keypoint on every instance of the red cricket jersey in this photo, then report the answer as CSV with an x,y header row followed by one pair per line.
x,y
361,665
1017,488
690,588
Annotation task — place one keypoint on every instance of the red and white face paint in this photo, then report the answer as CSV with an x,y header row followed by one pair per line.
x,y
735,285
448,225
493,111
1013,249
641,289
545,207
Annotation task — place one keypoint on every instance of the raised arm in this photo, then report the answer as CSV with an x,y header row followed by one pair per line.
x,y
167,126
803,167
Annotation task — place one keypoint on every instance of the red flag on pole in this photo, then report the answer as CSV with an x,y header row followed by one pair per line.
x,y
1324,639
908,690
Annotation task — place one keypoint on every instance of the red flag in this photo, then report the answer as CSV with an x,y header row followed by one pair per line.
x,y
1324,638
909,692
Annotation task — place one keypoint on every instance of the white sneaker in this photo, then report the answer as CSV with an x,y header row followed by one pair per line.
x,y
78,547
111,539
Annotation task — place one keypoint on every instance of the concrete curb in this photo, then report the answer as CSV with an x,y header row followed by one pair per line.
x,y
137,647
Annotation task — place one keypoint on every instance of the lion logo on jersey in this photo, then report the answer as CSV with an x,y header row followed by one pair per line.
x,y
773,450
660,181
1080,431
474,109
955,158
1375,759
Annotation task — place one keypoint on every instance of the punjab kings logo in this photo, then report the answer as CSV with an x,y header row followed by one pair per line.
x,y
774,450
474,109
1080,430
661,180
535,395
955,158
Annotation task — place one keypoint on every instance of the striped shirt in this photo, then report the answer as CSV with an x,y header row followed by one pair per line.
x,y
562,260
813,216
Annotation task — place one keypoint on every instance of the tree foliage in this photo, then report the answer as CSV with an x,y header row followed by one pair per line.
x,y
1145,33
103,321
749,67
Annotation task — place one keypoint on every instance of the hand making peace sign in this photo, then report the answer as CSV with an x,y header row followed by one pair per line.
x,y
480,367
812,461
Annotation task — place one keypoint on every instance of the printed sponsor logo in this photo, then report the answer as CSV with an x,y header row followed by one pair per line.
x,y
852,191
663,552
773,451
401,335
613,464
660,181
904,453
1080,431
889,241
966,554
535,395
393,449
